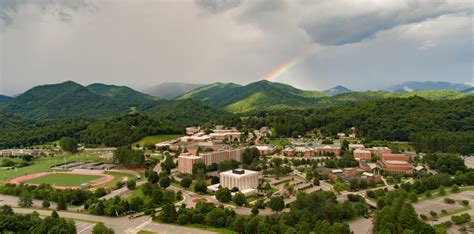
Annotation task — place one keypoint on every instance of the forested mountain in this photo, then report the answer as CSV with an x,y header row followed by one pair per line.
x,y
469,91
124,96
4,98
427,85
265,95
442,125
337,90
171,90
254,96
66,99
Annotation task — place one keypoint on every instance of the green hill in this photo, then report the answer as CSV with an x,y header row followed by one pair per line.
x,y
4,98
469,91
69,99
124,96
254,96
171,90
265,95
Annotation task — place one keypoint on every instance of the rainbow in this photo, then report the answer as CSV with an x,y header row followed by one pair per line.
x,y
287,66
282,69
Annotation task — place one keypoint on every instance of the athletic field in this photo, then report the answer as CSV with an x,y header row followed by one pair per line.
x,y
66,180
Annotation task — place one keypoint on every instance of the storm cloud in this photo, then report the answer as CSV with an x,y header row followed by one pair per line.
x,y
362,44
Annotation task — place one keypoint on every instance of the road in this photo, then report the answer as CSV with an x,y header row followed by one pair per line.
x,y
13,201
119,225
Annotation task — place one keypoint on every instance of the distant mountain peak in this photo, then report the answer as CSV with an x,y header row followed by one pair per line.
x,y
411,86
339,89
171,90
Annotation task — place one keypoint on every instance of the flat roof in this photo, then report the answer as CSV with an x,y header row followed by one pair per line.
x,y
361,151
231,173
189,156
396,162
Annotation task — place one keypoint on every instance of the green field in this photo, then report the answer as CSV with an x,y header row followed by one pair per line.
x,y
155,139
66,180
44,165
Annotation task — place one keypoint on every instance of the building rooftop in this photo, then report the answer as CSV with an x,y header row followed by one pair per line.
x,y
189,156
238,172
396,162
361,151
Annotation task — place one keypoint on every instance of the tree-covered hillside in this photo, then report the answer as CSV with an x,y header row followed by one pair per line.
x,y
4,98
265,95
402,119
66,99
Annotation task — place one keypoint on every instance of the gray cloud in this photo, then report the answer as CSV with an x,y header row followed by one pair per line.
x,y
10,8
216,6
361,44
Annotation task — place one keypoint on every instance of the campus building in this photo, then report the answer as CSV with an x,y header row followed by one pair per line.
x,y
395,164
379,151
245,180
222,155
265,149
360,154
356,146
186,162
336,150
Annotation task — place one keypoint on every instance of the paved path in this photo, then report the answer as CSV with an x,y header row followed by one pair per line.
x,y
13,201
119,225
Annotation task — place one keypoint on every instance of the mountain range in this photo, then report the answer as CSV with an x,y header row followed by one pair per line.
x,y
337,90
265,95
69,99
427,85
171,90
469,90
4,98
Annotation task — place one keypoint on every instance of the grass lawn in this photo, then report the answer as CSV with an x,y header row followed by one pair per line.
x,y
146,232
64,179
155,139
118,176
44,165
435,193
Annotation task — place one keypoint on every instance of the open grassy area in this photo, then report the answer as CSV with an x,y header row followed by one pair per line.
x,y
66,180
155,139
435,193
44,165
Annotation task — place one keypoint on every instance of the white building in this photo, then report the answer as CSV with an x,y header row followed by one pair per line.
x,y
245,180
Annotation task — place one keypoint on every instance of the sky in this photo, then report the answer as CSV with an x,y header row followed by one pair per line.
x,y
311,44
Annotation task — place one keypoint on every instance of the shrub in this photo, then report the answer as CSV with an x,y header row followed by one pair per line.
x,y
449,200
433,213
460,219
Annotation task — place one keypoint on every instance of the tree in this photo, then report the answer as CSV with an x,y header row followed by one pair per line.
x,y
239,199
255,210
408,218
442,191
200,186
131,184
168,164
68,144
165,182
25,200
186,182
199,170
168,214
455,189
100,228
61,204
223,195
276,204
45,204
153,177
128,157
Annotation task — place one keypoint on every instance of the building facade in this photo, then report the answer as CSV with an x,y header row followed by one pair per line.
x,y
239,178
186,162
